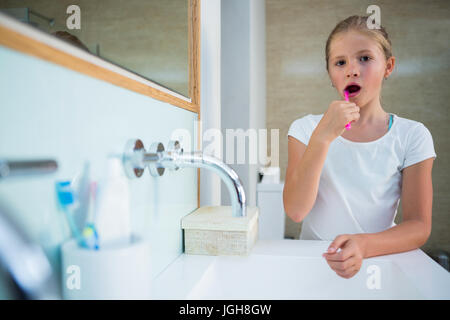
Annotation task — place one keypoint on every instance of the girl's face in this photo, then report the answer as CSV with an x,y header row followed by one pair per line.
x,y
357,64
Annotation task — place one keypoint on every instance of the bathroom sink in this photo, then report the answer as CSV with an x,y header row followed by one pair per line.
x,y
294,269
284,277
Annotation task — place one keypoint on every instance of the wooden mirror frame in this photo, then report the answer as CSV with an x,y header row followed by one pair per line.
x,y
14,39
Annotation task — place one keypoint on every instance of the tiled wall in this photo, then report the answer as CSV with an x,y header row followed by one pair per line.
x,y
47,111
298,84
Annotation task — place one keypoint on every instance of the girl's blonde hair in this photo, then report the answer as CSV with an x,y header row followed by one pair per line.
x,y
359,23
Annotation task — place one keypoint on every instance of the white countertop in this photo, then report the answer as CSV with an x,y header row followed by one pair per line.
x,y
295,269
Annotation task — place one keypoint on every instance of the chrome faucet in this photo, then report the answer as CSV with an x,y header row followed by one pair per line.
x,y
26,167
135,159
24,260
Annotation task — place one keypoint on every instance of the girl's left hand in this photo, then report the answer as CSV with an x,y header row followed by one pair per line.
x,y
346,262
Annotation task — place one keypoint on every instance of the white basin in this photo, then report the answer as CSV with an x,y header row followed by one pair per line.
x,y
293,269
272,277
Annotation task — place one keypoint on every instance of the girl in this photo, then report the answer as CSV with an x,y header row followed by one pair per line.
x,y
345,185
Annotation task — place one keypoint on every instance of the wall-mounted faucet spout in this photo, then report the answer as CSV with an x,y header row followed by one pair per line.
x,y
136,159
226,173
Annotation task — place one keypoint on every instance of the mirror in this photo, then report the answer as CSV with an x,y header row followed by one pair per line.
x,y
149,38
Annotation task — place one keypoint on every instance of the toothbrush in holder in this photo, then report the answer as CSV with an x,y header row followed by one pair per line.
x,y
348,126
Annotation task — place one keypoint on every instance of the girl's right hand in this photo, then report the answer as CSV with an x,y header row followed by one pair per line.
x,y
333,122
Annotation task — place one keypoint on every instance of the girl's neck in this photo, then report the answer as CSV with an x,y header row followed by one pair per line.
x,y
372,124
371,114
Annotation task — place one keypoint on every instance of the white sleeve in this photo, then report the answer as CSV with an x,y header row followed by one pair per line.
x,y
299,130
419,146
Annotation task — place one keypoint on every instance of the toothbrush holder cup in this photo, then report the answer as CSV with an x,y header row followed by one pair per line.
x,y
121,272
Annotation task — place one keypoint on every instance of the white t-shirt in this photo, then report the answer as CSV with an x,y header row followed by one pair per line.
x,y
360,183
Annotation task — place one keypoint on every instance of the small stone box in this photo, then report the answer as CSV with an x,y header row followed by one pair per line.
x,y
214,231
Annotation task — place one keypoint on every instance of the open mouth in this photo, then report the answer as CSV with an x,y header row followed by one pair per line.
x,y
352,89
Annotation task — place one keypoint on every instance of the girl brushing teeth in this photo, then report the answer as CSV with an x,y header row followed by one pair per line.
x,y
345,185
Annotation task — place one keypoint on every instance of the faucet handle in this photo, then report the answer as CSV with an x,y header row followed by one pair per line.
x,y
174,150
174,146
155,154
132,158
136,158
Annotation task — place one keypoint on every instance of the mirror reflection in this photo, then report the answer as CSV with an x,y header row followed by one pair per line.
x,y
151,39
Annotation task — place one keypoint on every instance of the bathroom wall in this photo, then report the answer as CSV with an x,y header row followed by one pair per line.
x,y
243,89
298,84
48,111
210,182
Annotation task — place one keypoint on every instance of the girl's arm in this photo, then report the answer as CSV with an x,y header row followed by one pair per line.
x,y
411,233
305,163
301,185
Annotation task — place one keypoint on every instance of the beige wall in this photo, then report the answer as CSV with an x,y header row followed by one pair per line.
x,y
147,37
297,82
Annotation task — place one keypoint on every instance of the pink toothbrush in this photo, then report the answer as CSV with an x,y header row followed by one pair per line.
x,y
348,126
